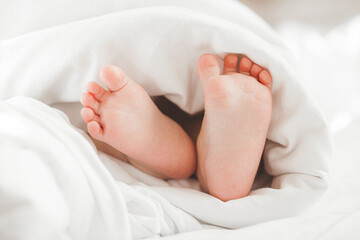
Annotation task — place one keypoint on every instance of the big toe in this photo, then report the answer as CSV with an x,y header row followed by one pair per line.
x,y
208,67
114,77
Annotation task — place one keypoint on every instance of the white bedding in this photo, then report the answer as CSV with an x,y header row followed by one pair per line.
x,y
117,200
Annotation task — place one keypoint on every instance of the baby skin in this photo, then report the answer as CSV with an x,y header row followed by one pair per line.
x,y
238,107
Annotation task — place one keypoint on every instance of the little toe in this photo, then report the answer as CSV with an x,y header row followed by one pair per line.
x,y
265,78
114,77
98,92
255,70
88,115
95,130
208,67
88,100
245,65
230,64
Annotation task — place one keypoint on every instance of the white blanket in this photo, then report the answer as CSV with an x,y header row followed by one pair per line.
x,y
53,182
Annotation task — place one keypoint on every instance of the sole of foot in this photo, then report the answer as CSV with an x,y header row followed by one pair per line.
x,y
238,108
125,117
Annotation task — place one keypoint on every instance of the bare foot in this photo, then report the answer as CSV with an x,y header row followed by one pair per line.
x,y
238,108
126,118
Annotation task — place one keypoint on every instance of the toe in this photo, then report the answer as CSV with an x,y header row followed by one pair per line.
x,y
255,70
88,100
208,67
114,77
98,92
88,115
230,63
95,130
245,65
265,78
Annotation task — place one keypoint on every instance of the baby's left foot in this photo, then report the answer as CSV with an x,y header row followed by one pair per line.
x,y
127,119
238,107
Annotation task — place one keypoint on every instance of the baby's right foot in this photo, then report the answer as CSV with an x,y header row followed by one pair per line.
x,y
126,118
238,109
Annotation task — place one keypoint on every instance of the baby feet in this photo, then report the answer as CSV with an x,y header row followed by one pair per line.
x,y
238,106
126,118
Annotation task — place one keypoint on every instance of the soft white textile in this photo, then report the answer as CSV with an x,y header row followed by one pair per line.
x,y
159,48
53,185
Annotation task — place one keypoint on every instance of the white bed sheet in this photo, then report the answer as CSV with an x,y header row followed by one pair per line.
x,y
337,214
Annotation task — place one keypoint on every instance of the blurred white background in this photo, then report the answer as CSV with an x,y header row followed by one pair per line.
x,y
320,14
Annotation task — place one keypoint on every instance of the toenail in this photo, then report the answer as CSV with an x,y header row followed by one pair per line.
x,y
246,63
231,59
265,74
255,69
265,77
